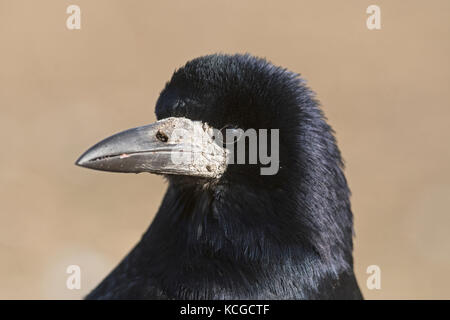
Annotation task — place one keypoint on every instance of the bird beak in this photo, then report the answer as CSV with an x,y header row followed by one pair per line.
x,y
175,146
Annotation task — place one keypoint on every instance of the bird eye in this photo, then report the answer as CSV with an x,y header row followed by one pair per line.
x,y
228,127
232,131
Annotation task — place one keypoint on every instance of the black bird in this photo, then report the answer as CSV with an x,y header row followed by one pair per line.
x,y
225,231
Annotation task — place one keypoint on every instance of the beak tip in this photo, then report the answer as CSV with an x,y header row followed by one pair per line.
x,y
81,161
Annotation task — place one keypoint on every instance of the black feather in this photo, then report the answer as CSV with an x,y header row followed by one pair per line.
x,y
247,236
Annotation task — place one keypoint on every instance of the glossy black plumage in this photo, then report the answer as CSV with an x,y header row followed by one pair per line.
x,y
247,236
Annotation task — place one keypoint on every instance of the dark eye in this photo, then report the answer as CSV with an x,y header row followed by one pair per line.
x,y
232,131
228,127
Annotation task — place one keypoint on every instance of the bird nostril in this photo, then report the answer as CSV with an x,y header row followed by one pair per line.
x,y
161,136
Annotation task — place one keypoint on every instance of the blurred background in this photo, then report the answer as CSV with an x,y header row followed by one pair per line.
x,y
385,92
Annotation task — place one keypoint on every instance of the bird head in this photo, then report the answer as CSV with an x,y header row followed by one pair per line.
x,y
303,198
209,109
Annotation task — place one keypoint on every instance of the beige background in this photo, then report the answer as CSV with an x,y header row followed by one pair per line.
x,y
386,93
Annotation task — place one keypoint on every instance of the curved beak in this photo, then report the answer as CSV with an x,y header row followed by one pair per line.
x,y
176,146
